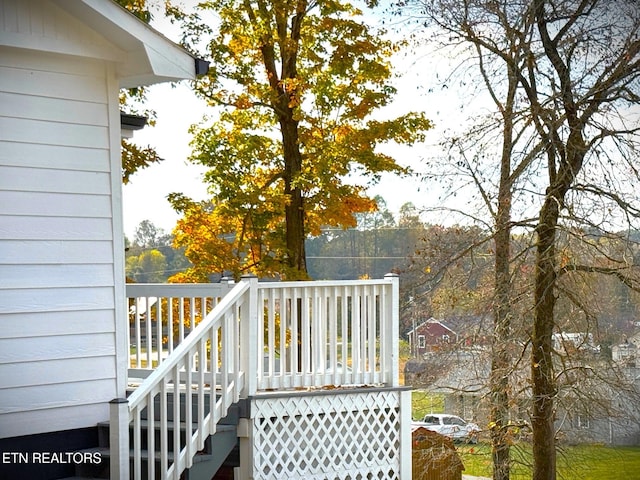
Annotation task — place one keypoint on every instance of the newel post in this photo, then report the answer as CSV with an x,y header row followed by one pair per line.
x,y
249,336
119,438
393,329
249,348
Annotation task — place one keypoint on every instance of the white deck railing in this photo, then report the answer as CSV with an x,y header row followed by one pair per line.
x,y
267,336
320,334
161,315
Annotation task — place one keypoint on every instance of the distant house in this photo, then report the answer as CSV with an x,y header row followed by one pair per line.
x,y
431,335
463,381
614,419
565,342
601,413
627,351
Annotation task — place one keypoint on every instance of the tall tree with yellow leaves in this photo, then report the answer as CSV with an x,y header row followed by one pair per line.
x,y
299,87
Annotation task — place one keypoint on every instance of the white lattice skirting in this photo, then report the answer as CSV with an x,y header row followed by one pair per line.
x,y
342,434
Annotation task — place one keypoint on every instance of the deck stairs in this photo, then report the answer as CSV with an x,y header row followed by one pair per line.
x,y
219,449
180,417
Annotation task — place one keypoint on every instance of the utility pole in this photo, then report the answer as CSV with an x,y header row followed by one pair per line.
x,y
414,336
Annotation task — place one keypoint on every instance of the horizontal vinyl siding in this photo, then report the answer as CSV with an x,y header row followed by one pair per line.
x,y
22,423
60,204
41,25
54,77
57,307
54,228
50,180
47,133
36,373
55,396
47,156
48,324
35,300
55,276
52,109
65,347
64,252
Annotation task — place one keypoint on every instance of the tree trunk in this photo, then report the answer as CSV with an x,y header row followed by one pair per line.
x,y
500,359
284,100
501,353
294,210
542,371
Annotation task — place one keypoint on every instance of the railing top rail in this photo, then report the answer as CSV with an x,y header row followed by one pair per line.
x,y
207,289
165,367
177,289
323,283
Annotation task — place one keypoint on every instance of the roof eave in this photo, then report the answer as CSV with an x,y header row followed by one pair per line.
x,y
151,57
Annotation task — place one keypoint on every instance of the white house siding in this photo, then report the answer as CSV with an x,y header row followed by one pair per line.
x,y
58,264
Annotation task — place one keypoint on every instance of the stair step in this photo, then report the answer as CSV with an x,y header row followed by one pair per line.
x,y
144,455
221,427
104,451
155,427
78,478
148,427
101,470
216,449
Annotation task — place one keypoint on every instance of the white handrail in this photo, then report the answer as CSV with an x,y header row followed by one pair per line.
x,y
207,361
162,314
198,333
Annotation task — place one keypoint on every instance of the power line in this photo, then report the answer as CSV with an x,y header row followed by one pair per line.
x,y
356,258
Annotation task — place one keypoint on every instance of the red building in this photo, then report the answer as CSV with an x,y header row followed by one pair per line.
x,y
430,335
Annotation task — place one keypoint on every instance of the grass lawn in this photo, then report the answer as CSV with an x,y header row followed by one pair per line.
x,y
585,462
423,402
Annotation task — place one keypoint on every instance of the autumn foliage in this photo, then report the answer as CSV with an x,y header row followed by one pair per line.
x,y
298,90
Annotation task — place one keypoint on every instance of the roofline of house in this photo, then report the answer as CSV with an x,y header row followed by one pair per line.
x,y
430,320
162,59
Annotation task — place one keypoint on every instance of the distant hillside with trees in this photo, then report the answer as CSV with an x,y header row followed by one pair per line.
x,y
151,257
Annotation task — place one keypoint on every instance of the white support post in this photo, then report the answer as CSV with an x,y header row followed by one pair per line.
x,y
393,327
250,348
245,470
406,446
119,438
